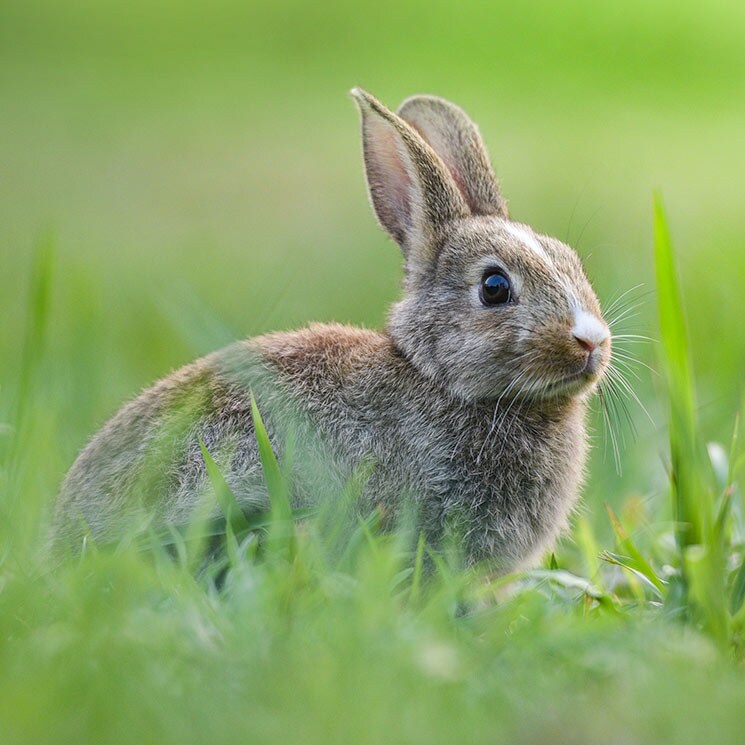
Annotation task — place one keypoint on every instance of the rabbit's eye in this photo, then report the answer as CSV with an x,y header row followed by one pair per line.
x,y
495,289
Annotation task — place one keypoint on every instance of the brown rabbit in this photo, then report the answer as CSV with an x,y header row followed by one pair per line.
x,y
470,404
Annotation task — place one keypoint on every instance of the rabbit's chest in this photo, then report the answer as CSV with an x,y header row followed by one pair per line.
x,y
510,495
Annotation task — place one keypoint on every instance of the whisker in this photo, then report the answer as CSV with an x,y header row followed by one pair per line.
x,y
618,394
609,432
631,338
622,355
614,409
625,315
617,375
626,368
632,301
615,302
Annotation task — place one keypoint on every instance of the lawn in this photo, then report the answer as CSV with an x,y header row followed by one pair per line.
x,y
174,176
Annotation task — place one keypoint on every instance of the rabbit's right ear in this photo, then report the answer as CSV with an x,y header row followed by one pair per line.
x,y
411,190
456,139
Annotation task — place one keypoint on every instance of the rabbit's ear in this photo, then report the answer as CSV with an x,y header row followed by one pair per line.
x,y
456,139
411,190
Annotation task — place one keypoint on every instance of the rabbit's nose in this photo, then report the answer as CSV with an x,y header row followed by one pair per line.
x,y
585,343
589,331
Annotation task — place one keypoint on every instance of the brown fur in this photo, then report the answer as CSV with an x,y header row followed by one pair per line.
x,y
473,415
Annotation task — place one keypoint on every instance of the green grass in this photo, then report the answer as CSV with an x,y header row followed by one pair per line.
x,y
178,175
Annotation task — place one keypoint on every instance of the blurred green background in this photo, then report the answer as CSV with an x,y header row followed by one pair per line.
x,y
197,169
192,173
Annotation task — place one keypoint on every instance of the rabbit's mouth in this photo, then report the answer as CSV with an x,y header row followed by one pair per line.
x,y
564,388
562,378
574,383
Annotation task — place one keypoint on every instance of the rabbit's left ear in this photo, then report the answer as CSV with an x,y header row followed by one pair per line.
x,y
411,189
456,139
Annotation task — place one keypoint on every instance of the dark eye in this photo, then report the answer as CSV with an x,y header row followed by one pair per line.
x,y
495,289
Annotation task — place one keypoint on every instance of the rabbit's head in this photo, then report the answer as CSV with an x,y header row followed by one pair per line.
x,y
492,308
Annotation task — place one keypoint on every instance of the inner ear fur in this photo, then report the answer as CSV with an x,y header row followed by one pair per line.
x,y
412,191
457,141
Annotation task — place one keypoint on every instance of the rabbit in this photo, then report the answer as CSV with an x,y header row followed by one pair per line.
x,y
470,405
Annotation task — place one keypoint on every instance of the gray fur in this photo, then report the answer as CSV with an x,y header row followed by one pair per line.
x,y
473,414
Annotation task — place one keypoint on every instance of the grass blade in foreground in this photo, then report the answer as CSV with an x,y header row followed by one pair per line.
x,y
701,545
226,499
281,535
688,491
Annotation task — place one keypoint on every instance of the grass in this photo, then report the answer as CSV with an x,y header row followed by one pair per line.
x,y
315,636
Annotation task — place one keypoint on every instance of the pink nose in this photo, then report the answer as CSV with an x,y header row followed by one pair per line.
x,y
589,331
587,344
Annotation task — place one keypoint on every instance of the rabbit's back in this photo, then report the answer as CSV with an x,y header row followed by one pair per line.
x,y
146,465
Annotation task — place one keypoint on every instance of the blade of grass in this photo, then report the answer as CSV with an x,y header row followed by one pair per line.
x,y
635,559
224,495
281,538
737,595
39,300
701,538
627,563
724,513
686,483
273,476
706,590
416,579
589,549
30,423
